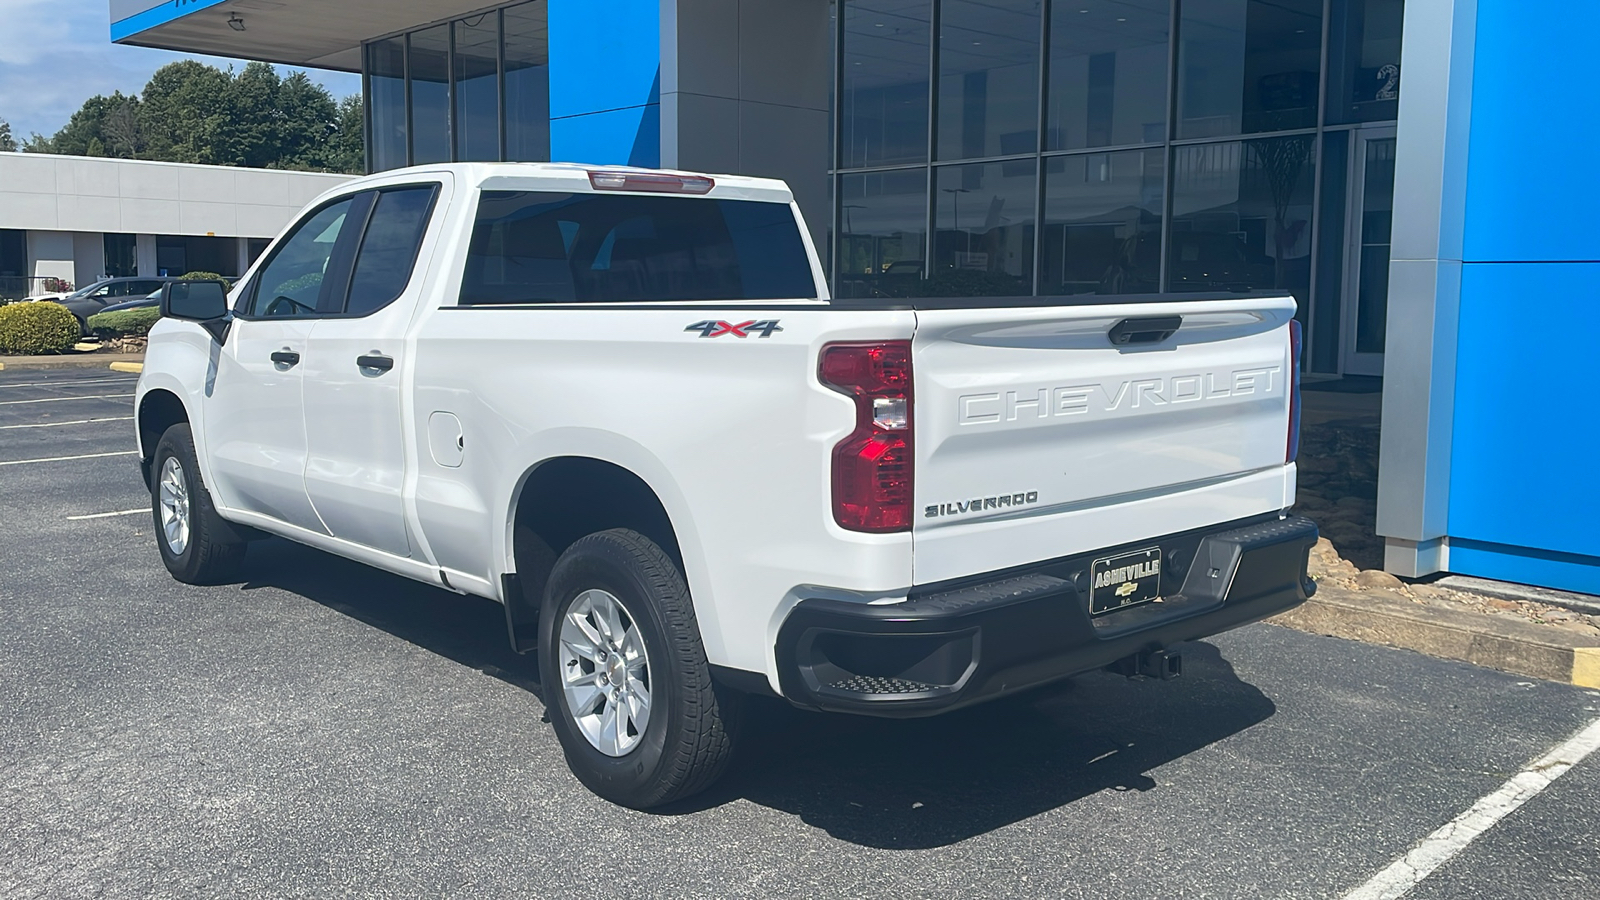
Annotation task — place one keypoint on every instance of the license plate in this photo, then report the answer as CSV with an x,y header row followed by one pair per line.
x,y
1126,580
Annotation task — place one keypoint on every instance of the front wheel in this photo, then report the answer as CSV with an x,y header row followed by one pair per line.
x,y
196,544
625,676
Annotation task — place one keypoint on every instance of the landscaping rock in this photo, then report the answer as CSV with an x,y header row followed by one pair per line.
x,y
1377,578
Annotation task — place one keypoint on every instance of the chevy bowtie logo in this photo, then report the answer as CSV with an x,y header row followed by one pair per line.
x,y
1127,588
762,328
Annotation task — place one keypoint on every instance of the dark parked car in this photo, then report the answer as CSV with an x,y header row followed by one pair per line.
x,y
151,299
108,292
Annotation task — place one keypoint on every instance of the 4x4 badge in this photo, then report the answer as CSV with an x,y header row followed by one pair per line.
x,y
709,329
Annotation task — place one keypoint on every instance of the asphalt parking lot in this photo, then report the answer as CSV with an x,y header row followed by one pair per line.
x,y
323,729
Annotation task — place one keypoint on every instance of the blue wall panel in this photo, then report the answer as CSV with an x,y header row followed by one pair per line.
x,y
605,82
1532,191
1524,479
1525,461
1526,566
629,137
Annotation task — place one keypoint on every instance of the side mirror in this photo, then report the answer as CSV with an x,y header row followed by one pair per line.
x,y
197,301
205,302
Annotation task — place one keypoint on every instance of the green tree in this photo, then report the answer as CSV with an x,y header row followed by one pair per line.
x,y
195,113
187,108
347,146
8,144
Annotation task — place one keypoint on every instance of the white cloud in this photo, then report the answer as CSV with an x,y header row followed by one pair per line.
x,y
55,54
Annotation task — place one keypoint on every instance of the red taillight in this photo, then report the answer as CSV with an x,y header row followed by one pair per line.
x,y
1293,450
872,467
650,182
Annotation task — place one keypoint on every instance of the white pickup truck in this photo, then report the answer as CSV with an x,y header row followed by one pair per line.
x,y
621,403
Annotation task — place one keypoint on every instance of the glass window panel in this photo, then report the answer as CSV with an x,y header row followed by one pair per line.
x,y
983,238
1364,56
389,248
1108,73
121,255
430,95
1241,216
386,103
477,78
988,78
291,282
1102,223
885,91
533,247
1246,66
1323,336
527,100
1377,213
883,231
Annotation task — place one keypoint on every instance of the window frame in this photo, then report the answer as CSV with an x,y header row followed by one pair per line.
x,y
247,297
334,296
435,188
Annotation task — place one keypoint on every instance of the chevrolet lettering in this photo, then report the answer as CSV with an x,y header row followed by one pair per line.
x,y
1149,393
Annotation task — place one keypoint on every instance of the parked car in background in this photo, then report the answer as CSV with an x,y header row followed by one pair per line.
x,y
107,292
151,299
48,296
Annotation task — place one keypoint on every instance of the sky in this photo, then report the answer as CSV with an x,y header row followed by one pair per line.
x,y
55,54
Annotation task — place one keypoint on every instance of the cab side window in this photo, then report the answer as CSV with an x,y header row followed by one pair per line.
x,y
291,283
389,248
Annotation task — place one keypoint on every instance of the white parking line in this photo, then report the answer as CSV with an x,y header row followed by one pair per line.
x,y
60,399
23,462
74,422
67,383
1438,848
110,515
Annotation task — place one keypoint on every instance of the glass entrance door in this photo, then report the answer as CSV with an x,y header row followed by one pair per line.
x,y
1366,293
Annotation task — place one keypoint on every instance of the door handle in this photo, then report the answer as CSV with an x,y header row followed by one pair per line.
x,y
375,361
1148,330
286,358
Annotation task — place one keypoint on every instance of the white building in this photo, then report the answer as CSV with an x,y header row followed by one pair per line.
x,y
80,218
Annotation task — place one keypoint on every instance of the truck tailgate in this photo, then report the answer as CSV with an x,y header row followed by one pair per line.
x,y
1038,437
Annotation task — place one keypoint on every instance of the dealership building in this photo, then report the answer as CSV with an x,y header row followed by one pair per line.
x,y
1415,172
77,219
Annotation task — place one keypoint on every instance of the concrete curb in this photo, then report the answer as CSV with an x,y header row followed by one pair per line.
x,y
133,368
1496,642
85,360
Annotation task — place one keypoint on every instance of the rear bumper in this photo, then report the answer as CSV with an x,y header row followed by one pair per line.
x,y
956,644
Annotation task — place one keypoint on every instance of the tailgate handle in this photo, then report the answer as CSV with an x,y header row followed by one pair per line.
x,y
1148,330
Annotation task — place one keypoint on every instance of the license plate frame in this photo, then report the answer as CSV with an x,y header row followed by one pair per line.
x,y
1125,580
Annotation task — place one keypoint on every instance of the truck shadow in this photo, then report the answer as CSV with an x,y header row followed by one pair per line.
x,y
924,783
888,784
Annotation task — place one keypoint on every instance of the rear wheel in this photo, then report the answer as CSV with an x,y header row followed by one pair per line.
x,y
196,544
626,679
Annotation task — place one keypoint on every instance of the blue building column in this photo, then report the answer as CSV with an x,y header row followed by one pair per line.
x,y
605,82
1524,479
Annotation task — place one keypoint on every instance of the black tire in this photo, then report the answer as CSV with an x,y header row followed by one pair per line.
x,y
211,551
688,740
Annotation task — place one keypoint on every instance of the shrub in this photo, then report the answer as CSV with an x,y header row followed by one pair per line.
x,y
32,328
206,276
124,322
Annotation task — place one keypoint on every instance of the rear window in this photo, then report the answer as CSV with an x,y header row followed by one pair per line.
x,y
537,247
